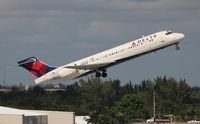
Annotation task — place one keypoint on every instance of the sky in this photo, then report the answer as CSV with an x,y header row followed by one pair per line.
x,y
58,32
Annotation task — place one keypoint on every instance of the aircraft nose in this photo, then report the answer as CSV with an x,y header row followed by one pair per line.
x,y
180,36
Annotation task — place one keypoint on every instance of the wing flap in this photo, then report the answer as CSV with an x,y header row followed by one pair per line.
x,y
89,66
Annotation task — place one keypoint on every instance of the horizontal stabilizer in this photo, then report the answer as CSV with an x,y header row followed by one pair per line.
x,y
89,66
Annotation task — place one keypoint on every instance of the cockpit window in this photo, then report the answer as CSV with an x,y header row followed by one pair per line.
x,y
168,32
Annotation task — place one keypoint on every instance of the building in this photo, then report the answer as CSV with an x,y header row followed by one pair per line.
x,y
17,116
5,90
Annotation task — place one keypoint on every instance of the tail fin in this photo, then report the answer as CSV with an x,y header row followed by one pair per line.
x,y
35,66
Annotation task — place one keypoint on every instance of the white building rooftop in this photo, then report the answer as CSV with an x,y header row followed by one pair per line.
x,y
12,111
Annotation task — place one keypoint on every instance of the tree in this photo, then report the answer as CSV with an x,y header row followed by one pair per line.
x,y
129,108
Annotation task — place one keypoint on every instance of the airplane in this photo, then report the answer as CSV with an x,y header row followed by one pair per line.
x,y
99,62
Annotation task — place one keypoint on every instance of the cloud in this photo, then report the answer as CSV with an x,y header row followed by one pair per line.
x,y
88,18
48,28
144,0
98,5
101,29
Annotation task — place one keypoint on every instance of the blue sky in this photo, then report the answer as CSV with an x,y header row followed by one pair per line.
x,y
61,31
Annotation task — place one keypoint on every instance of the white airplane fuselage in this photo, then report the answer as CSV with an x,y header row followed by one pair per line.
x,y
113,56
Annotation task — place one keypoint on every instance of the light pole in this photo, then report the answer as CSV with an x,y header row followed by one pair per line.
x,y
154,106
5,74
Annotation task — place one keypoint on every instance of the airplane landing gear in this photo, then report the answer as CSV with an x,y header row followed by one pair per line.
x,y
177,47
98,74
104,74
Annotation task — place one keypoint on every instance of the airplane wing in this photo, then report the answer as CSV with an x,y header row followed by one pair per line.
x,y
90,66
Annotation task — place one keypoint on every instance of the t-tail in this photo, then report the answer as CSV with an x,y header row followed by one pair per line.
x,y
36,67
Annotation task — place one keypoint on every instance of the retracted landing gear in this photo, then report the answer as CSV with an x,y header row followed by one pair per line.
x,y
177,46
103,74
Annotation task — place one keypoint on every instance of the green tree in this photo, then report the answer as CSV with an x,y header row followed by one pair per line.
x,y
128,109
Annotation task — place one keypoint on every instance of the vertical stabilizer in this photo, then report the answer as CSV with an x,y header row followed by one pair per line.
x,y
36,67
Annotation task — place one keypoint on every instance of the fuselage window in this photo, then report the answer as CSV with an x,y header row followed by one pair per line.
x,y
143,40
